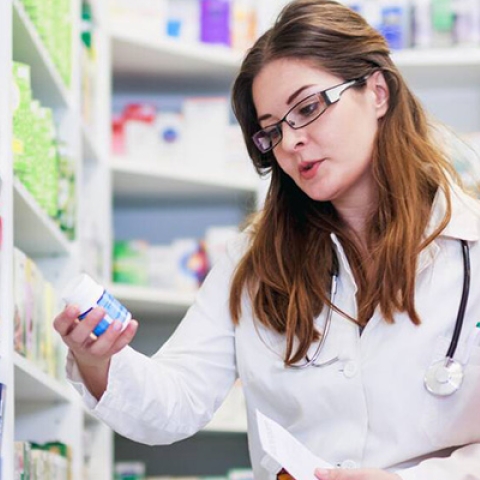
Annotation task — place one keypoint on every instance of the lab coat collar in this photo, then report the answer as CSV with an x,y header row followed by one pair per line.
x,y
464,222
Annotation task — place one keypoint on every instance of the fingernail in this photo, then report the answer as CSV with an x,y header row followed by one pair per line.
x,y
322,473
73,311
117,325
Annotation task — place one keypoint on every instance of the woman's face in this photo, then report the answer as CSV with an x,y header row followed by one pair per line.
x,y
330,159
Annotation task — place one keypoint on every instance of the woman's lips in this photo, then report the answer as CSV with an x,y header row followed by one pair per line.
x,y
309,169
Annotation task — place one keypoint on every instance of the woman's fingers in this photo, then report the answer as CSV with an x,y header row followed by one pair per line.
x,y
78,335
125,338
82,331
65,321
355,474
114,339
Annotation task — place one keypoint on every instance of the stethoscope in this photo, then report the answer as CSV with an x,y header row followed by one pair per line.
x,y
312,361
443,377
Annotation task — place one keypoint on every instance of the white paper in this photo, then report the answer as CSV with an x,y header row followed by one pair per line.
x,y
294,457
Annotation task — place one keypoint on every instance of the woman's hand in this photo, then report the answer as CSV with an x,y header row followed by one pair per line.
x,y
92,355
355,474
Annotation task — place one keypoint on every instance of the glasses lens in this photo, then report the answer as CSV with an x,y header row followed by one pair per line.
x,y
306,111
268,138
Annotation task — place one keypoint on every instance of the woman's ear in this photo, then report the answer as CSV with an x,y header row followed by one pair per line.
x,y
379,88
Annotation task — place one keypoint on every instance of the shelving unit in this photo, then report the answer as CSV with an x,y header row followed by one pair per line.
x,y
34,230
446,81
160,66
151,301
6,240
440,67
29,48
39,407
135,54
154,181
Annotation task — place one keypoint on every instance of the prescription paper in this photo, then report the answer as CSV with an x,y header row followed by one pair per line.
x,y
294,457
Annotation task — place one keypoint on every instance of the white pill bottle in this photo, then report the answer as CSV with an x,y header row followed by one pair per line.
x,y
87,294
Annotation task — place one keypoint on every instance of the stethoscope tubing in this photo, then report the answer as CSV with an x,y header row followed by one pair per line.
x,y
449,364
463,301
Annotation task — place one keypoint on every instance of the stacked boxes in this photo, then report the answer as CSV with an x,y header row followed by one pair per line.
x,y
53,20
45,168
237,23
422,23
21,102
34,461
181,265
66,199
35,305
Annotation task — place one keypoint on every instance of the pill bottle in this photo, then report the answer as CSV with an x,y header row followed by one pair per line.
x,y
87,294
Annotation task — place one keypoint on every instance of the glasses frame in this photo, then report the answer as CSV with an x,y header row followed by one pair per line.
x,y
330,96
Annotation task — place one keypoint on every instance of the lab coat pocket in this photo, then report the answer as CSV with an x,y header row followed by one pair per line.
x,y
454,419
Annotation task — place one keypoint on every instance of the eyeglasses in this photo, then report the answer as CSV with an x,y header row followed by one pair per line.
x,y
302,114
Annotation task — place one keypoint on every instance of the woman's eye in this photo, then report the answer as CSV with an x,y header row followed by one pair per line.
x,y
273,132
309,109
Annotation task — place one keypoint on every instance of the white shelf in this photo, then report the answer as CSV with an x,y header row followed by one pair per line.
x,y
91,153
440,67
40,407
28,47
138,54
35,232
34,385
136,180
232,414
151,301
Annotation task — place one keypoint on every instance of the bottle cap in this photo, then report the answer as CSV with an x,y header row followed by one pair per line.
x,y
82,291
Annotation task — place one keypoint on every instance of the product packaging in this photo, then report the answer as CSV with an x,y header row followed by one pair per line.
x,y
87,294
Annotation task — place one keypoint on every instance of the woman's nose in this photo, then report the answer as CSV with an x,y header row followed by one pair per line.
x,y
293,139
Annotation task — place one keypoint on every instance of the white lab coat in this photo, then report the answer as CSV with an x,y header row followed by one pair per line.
x,y
368,409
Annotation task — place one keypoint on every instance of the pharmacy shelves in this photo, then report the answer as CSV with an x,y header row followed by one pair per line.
x,y
34,231
135,54
90,150
34,385
29,48
153,181
440,67
6,234
231,417
151,301
40,407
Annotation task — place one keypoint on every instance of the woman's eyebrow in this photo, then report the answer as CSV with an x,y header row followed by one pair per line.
x,y
290,99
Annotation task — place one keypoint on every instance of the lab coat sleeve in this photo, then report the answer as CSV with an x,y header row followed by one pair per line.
x,y
462,464
175,393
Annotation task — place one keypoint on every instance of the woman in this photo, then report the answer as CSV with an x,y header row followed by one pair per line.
x,y
332,306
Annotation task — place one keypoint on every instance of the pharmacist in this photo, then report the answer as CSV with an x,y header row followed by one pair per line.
x,y
349,306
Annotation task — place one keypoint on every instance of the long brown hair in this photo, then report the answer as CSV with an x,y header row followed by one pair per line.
x,y
287,268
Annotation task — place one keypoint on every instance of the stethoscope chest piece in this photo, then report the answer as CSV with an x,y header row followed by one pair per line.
x,y
444,377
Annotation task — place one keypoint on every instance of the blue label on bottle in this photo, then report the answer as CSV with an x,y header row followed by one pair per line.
x,y
114,310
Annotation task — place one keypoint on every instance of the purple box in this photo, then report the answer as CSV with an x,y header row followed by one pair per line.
x,y
215,21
